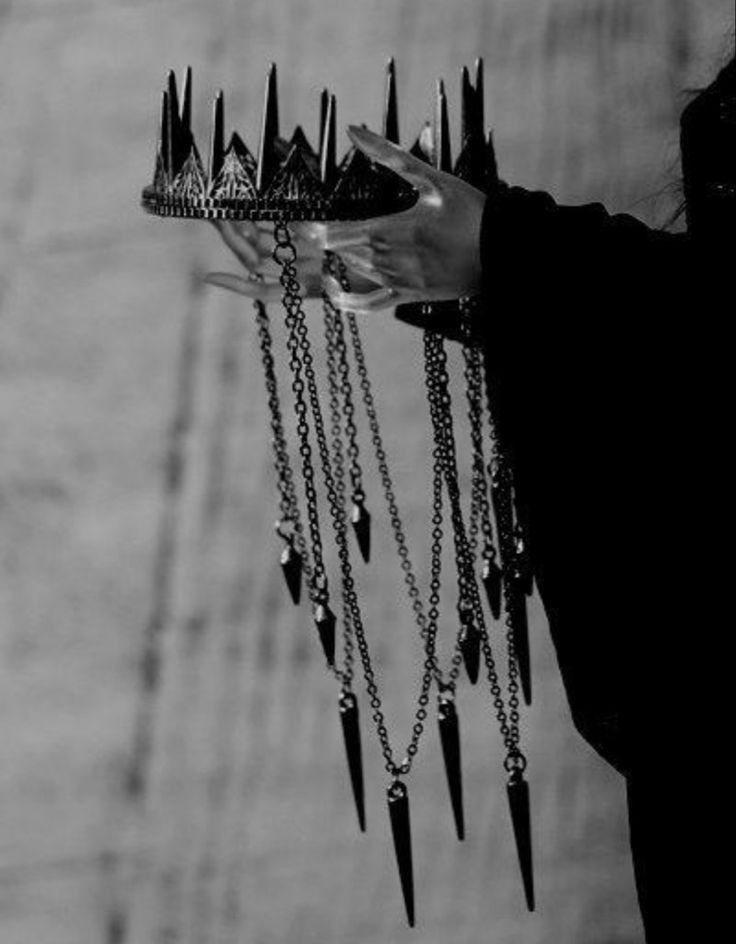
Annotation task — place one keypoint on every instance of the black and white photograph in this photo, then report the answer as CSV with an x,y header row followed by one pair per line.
x,y
366,477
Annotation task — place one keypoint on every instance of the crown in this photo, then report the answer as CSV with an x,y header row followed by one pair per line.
x,y
288,179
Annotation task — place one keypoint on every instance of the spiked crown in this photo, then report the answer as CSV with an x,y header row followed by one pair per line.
x,y
290,180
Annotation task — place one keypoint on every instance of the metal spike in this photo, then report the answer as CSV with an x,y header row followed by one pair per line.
x,y
491,577
520,629
324,620
450,740
480,119
470,647
398,808
324,101
186,101
361,521
443,153
217,146
519,805
491,163
292,566
468,107
178,147
173,94
269,132
391,108
328,144
165,139
350,720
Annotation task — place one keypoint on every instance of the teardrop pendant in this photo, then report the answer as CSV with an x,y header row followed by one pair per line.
x,y
491,577
518,794
450,740
520,629
398,808
324,620
361,520
292,566
470,647
351,734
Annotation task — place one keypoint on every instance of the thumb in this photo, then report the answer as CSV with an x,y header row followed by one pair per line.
x,y
419,174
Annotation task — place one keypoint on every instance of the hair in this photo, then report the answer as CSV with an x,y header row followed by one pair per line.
x,y
676,186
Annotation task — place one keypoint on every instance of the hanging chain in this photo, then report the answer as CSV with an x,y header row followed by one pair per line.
x,y
427,623
338,461
288,502
480,517
440,406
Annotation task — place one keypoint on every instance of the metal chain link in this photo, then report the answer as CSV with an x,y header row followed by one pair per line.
x,y
441,407
288,502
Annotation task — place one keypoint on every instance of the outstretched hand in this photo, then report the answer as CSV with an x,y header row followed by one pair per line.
x,y
430,252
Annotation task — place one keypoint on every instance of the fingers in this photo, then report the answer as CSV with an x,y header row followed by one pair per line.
x,y
364,303
363,264
420,175
262,291
237,242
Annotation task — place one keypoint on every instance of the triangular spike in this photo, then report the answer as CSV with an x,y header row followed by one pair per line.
x,y
480,120
179,143
324,101
468,103
269,132
491,575
190,183
292,566
470,649
519,805
217,145
299,139
186,101
443,153
423,147
328,143
492,178
520,630
450,740
471,162
391,107
295,182
238,146
398,808
350,719
164,135
173,94
160,180
361,521
324,620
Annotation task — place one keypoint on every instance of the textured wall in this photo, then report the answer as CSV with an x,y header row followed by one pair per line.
x,y
136,499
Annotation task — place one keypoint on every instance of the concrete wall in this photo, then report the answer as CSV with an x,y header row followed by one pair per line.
x,y
136,499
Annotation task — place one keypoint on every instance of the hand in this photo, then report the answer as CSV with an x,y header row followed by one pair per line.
x,y
428,253
252,245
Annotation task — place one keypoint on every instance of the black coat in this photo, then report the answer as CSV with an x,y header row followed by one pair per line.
x,y
608,363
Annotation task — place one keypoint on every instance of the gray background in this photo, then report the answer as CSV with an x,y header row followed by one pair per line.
x,y
117,368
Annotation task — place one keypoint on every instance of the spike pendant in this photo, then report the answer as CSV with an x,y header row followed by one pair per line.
x,y
518,794
324,620
398,808
292,566
361,521
450,740
491,577
350,721
470,648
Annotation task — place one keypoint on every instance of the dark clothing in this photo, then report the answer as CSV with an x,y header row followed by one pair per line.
x,y
607,364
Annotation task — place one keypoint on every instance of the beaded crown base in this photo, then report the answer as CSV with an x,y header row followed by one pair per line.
x,y
288,179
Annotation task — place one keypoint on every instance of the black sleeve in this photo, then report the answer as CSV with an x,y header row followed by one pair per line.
x,y
577,326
